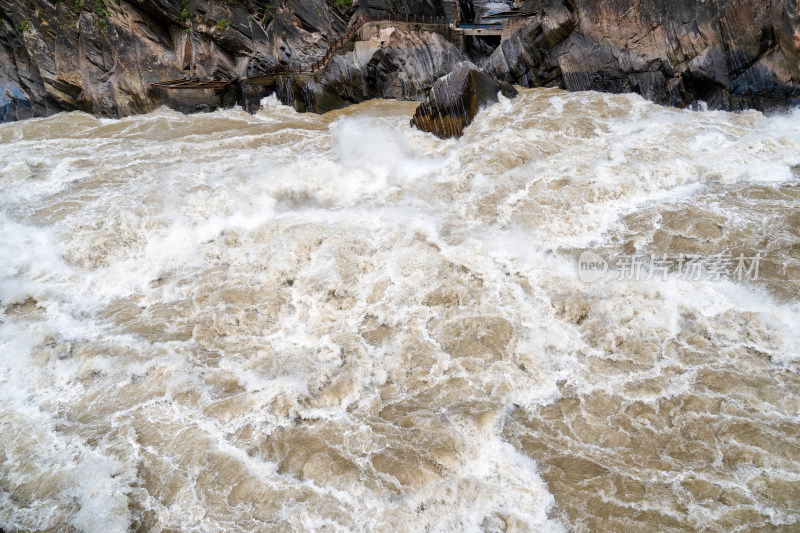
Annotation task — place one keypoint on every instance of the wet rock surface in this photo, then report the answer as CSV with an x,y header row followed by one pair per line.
x,y
456,99
101,57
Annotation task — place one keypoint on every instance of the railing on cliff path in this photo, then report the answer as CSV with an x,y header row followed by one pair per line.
x,y
359,23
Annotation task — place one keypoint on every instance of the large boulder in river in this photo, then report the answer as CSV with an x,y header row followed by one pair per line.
x,y
455,99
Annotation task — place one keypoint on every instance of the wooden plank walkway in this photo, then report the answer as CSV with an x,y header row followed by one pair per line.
x,y
194,83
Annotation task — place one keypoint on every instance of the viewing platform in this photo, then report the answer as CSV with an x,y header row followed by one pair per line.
x,y
482,30
193,94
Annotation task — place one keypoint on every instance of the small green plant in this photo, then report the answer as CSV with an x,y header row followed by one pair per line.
x,y
268,9
101,24
24,25
184,10
187,31
78,5
283,35
101,9
343,4
223,25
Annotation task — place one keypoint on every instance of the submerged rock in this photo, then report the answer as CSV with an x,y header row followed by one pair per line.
x,y
455,100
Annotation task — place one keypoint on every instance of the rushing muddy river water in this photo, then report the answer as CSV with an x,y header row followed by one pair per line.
x,y
226,322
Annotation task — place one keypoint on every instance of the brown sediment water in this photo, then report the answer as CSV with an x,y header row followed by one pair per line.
x,y
226,322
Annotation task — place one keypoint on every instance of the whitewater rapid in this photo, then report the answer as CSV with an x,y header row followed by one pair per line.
x,y
283,321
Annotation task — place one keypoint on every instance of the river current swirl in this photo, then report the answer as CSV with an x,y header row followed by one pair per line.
x,y
283,321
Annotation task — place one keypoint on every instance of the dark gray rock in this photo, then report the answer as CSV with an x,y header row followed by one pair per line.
x,y
388,63
101,56
732,54
456,99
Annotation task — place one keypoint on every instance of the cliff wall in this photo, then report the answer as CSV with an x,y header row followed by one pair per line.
x,y
732,54
100,56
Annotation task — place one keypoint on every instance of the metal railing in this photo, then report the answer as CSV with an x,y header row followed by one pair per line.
x,y
496,26
192,83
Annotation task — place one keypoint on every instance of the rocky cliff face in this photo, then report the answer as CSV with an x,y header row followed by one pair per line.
x,y
397,62
101,55
733,54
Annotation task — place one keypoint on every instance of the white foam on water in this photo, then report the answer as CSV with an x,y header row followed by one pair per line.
x,y
235,322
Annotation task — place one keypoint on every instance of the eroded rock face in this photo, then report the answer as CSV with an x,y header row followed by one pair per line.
x,y
732,54
391,62
456,99
101,56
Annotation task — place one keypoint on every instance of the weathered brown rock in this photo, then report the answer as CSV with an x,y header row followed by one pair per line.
x,y
456,99
732,54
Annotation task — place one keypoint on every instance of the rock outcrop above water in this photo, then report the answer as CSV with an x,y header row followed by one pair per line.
x,y
732,54
455,99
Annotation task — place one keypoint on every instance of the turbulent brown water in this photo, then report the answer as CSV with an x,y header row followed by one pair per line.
x,y
226,322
